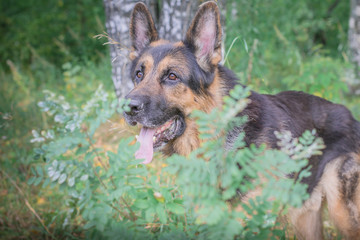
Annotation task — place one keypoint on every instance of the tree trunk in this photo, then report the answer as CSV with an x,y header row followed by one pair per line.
x,y
354,44
118,14
172,19
175,18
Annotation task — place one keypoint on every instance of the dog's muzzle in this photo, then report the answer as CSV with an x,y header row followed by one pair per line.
x,y
135,113
136,106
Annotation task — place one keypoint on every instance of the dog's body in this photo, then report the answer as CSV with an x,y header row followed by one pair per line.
x,y
173,79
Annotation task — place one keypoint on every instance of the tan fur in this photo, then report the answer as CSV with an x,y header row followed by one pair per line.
x,y
148,63
132,54
345,212
159,42
170,62
189,141
217,92
179,44
183,97
187,101
307,220
357,205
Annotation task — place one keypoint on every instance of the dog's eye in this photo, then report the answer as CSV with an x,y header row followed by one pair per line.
x,y
172,77
139,74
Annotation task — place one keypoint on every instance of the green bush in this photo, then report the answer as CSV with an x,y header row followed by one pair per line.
x,y
281,39
55,31
111,195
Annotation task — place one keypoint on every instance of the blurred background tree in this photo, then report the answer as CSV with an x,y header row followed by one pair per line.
x,y
354,44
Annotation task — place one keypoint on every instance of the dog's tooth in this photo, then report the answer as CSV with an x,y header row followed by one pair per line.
x,y
154,139
136,136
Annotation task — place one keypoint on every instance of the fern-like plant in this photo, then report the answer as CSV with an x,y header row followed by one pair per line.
x,y
200,196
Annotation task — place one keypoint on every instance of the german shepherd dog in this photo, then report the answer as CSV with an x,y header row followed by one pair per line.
x,y
173,79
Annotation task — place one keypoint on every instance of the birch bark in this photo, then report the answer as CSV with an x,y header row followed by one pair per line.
x,y
175,18
354,44
118,14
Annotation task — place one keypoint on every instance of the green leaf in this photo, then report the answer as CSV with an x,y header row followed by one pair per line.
x,y
84,177
82,150
46,182
89,225
135,180
116,194
38,181
31,180
141,204
55,163
160,210
166,194
71,181
175,208
39,171
137,171
149,215
62,178
62,166
229,193
51,171
55,176
246,46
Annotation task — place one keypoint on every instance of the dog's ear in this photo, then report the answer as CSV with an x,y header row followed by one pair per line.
x,y
204,35
142,29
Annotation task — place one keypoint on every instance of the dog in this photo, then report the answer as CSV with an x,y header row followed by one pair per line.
x,y
171,80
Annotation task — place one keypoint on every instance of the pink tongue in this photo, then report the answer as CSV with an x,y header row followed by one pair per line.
x,y
146,150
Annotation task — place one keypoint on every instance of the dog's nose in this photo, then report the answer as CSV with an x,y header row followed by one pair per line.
x,y
135,106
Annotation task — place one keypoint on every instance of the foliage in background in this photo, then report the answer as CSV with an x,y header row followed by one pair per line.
x,y
22,89
111,194
278,45
281,39
57,31
19,115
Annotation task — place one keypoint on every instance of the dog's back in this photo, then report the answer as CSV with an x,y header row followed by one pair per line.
x,y
334,178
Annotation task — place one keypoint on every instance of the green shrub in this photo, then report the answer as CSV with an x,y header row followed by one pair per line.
x,y
281,39
54,31
111,195
320,76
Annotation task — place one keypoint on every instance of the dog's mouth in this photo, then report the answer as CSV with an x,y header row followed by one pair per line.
x,y
156,137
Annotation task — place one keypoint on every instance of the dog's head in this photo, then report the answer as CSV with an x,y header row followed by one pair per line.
x,y
171,79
